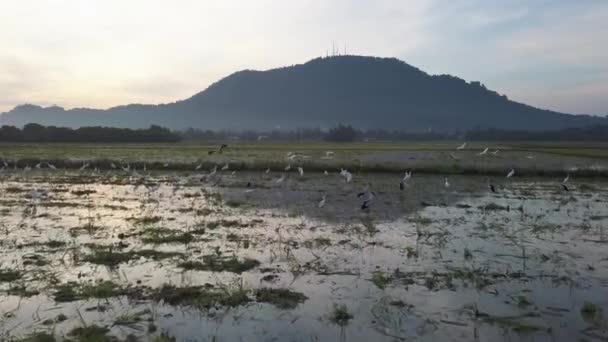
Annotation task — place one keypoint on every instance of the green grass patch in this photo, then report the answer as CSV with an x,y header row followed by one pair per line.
x,y
281,298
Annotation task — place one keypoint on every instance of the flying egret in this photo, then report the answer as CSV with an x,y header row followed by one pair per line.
x,y
300,171
483,152
322,202
461,147
511,173
405,178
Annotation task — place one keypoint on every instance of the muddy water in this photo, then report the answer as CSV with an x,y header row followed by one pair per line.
x,y
428,263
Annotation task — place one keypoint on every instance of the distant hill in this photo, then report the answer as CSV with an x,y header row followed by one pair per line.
x,y
366,92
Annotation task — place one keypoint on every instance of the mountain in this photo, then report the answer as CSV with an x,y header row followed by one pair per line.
x,y
366,92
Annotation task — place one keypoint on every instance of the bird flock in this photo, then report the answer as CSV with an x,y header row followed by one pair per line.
x,y
367,195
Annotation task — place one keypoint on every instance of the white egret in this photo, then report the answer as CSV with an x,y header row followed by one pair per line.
x,y
225,167
198,167
566,179
112,165
483,152
268,170
281,179
446,183
511,173
84,166
38,166
461,147
348,176
51,166
322,202
288,167
300,171
326,173
494,152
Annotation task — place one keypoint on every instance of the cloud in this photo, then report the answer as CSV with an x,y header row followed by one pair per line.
x,y
106,53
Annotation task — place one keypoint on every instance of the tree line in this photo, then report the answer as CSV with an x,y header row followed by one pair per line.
x,y
342,133
589,133
37,133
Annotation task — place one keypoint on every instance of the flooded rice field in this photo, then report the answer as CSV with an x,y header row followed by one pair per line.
x,y
255,256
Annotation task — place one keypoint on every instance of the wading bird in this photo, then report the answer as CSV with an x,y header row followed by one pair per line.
x,y
461,147
494,152
511,173
268,170
300,171
483,152
490,185
288,167
281,179
566,179
446,183
326,173
368,200
84,166
225,167
51,166
322,202
198,167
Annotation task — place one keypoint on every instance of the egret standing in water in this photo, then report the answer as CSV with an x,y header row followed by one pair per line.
x,y
511,173
322,202
483,152
461,147
446,183
300,171
280,180
288,167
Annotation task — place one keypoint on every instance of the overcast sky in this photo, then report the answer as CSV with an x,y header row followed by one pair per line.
x,y
548,53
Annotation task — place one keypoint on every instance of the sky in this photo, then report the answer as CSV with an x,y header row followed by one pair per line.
x,y
552,54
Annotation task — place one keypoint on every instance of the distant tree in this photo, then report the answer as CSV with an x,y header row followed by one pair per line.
x,y
342,133
37,133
